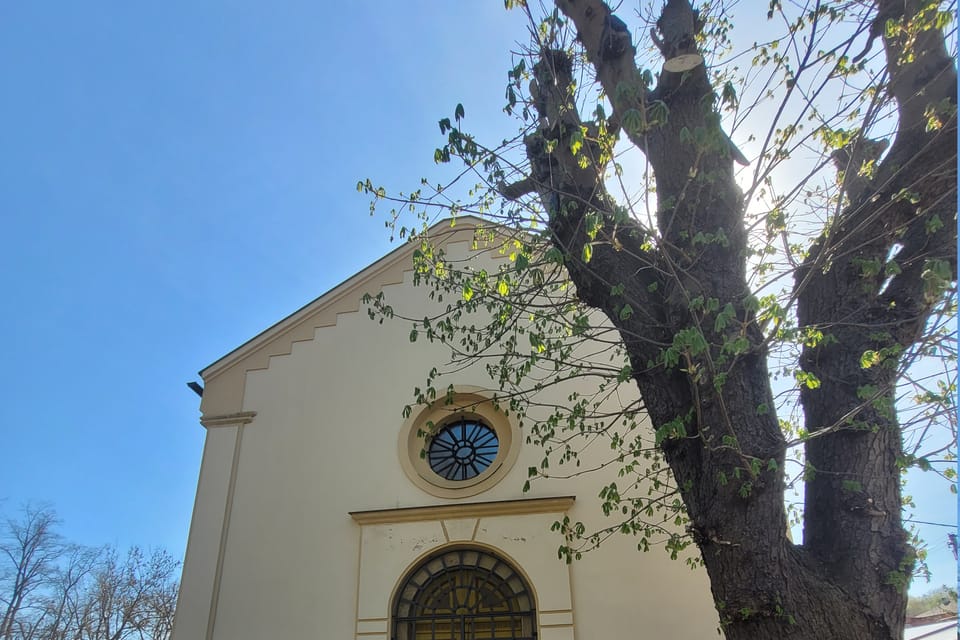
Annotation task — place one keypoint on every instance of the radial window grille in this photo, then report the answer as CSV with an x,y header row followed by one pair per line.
x,y
462,450
464,594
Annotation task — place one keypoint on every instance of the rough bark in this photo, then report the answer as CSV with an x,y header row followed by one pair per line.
x,y
853,514
713,409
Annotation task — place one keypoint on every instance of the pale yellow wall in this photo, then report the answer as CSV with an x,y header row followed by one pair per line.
x,y
206,530
323,443
389,550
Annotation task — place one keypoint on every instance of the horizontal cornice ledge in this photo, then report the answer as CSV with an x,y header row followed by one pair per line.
x,y
528,506
228,419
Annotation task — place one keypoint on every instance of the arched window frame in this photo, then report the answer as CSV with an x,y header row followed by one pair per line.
x,y
464,593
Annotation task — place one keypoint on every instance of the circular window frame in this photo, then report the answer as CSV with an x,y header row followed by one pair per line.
x,y
466,404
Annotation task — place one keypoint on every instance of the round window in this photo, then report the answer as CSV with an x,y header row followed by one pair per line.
x,y
463,450
460,446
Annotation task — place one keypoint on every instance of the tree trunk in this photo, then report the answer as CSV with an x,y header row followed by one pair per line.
x,y
683,308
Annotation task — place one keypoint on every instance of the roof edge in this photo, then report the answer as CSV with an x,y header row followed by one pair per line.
x,y
333,295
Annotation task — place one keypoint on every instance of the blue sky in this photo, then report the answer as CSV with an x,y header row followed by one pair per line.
x,y
149,152
178,176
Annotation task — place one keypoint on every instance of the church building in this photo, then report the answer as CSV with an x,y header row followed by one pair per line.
x,y
322,512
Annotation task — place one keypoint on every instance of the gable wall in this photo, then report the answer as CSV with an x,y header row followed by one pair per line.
x,y
274,551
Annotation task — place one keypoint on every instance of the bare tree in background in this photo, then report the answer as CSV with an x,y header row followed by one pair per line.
x,y
130,597
61,603
53,590
29,551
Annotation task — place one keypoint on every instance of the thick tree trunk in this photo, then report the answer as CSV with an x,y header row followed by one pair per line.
x,y
681,305
853,504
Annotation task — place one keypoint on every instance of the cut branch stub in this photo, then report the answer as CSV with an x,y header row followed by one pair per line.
x,y
678,25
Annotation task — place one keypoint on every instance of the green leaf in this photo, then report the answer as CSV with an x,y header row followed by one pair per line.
x,y
724,317
467,291
554,255
658,113
807,379
632,121
576,141
587,252
729,95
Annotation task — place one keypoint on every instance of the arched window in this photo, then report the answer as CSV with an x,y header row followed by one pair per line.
x,y
464,594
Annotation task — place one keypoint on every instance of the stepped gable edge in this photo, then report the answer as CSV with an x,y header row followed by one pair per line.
x,y
224,378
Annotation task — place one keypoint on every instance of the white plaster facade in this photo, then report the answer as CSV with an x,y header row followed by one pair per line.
x,y
307,520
